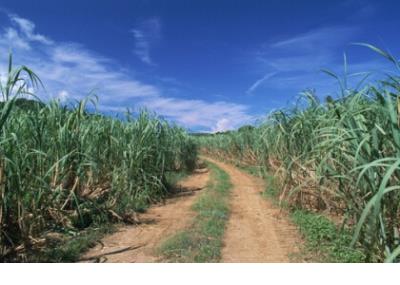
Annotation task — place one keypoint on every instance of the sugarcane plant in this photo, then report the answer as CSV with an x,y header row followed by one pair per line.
x,y
64,168
340,156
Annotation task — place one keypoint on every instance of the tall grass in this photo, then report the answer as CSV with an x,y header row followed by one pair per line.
x,y
64,169
342,156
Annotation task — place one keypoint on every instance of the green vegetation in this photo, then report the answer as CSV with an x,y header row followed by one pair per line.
x,y
70,246
325,240
202,241
272,189
340,156
64,170
254,170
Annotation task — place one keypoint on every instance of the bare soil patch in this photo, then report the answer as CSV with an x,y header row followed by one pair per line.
x,y
138,243
257,230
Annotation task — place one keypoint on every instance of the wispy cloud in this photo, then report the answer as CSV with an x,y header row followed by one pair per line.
x,y
260,82
361,9
147,33
28,29
295,62
13,39
325,38
309,51
216,116
70,71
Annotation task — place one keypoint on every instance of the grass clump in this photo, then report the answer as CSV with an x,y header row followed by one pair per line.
x,y
202,242
325,240
73,246
271,188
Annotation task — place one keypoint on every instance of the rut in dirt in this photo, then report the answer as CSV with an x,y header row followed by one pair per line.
x,y
257,231
139,243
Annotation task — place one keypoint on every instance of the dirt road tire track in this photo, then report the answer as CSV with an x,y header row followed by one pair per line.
x,y
257,230
138,243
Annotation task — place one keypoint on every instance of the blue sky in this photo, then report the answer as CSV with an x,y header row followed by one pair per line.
x,y
207,65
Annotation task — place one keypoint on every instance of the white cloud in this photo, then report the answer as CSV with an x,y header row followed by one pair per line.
x,y
63,95
326,37
200,113
142,49
146,34
223,125
260,82
296,61
70,72
27,27
12,37
308,51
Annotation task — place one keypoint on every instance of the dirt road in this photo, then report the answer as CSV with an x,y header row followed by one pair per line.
x,y
138,243
257,230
